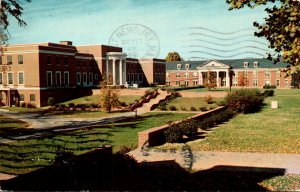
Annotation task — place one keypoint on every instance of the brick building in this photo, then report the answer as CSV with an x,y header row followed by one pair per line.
x,y
32,73
239,73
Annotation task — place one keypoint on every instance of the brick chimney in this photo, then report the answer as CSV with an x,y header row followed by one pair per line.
x,y
66,43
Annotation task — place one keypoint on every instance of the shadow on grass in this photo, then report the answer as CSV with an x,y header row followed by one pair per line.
x,y
102,170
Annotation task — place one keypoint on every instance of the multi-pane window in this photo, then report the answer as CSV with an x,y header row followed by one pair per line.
x,y
286,83
57,58
20,59
66,78
277,83
245,73
178,66
78,78
255,83
177,82
91,78
195,83
140,77
10,78
32,97
58,78
177,74
186,83
9,59
278,74
21,78
195,74
267,74
0,60
1,78
255,74
22,98
49,78
65,60
246,64
186,75
84,78
255,64
49,59
187,66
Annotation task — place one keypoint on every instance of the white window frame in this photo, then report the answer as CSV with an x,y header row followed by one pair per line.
x,y
84,80
246,64
168,74
277,82
19,72
91,79
255,82
286,83
68,82
255,74
78,81
195,82
179,66
187,66
177,74
195,74
56,83
49,72
186,75
255,64
278,74
141,75
12,77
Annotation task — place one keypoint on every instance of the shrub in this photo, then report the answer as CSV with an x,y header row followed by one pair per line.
x,y
208,99
51,101
94,105
244,101
268,93
172,108
173,134
203,109
189,128
30,105
23,104
62,106
183,109
193,109
162,106
71,105
269,87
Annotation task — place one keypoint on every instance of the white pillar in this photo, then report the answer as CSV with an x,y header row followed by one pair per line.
x,y
218,84
227,78
114,72
121,71
107,71
124,71
200,78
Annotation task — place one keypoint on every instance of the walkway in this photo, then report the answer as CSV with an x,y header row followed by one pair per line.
x,y
204,160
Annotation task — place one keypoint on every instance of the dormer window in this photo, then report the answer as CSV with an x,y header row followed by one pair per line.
x,y
187,66
255,64
178,66
246,64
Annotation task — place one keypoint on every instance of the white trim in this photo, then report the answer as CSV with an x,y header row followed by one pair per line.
x,y
19,77
80,80
82,57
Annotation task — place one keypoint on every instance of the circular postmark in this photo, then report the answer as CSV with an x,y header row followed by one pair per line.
x,y
137,41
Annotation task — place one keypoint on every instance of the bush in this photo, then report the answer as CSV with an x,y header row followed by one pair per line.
x,y
23,104
71,105
269,87
123,104
30,105
208,99
268,93
162,106
244,101
203,109
51,101
172,108
183,109
94,105
189,128
193,109
173,134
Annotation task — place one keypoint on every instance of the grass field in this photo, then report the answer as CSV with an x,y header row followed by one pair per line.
x,y
26,155
10,126
270,130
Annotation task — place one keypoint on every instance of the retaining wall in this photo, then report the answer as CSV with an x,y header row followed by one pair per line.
x,y
155,136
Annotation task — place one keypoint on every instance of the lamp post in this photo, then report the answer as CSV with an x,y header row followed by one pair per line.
x,y
135,104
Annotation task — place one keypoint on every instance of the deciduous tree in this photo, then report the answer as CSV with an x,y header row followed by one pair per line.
x,y
173,56
281,28
210,80
109,97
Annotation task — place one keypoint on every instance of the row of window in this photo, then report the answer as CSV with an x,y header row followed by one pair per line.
x,y
187,66
267,82
55,78
31,97
9,60
186,75
58,60
10,78
86,78
186,83
255,64
135,77
255,74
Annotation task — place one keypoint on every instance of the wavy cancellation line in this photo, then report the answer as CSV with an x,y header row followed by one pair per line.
x,y
226,44
219,38
221,33
228,50
229,56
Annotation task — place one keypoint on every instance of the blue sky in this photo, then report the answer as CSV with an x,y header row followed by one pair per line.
x,y
194,28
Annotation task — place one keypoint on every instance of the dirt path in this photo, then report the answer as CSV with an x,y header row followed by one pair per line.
x,y
216,94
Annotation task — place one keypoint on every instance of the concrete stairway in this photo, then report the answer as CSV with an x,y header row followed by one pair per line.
x,y
147,106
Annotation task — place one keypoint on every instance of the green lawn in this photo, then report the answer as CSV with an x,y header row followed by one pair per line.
x,y
270,130
186,103
95,99
26,155
10,126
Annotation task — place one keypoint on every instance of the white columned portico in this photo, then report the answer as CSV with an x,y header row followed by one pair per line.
x,y
227,78
120,78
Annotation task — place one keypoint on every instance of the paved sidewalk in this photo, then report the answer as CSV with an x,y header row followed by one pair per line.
x,y
204,160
